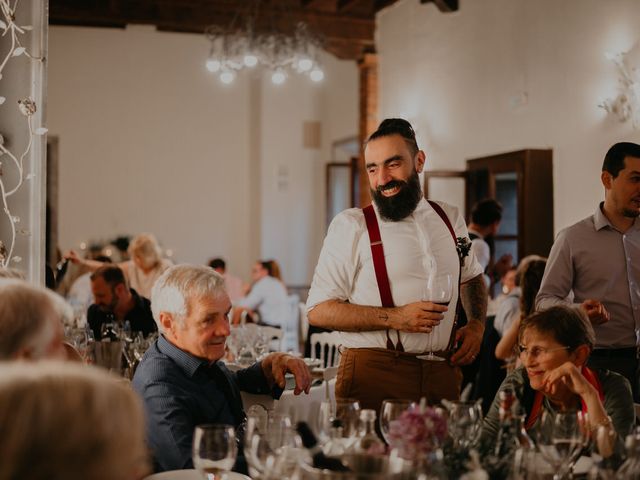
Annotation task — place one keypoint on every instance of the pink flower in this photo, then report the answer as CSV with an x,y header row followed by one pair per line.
x,y
417,432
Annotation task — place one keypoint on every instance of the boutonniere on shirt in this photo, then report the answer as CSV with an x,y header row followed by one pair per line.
x,y
463,245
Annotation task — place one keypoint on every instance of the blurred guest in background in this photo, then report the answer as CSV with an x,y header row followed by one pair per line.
x,y
267,297
145,266
116,302
31,322
486,216
595,263
80,295
233,285
180,379
64,421
515,308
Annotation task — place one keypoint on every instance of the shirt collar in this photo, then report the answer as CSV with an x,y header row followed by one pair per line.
x,y
600,220
189,363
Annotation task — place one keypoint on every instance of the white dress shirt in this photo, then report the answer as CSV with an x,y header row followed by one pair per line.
x,y
414,248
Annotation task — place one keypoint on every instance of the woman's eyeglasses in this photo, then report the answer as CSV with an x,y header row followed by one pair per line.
x,y
536,352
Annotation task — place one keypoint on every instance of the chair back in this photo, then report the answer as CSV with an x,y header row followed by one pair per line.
x,y
328,348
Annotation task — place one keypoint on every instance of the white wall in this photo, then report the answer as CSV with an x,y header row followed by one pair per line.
x,y
460,77
150,141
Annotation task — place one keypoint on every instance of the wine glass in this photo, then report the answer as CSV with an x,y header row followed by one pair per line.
x,y
439,290
560,439
272,446
464,421
214,450
390,410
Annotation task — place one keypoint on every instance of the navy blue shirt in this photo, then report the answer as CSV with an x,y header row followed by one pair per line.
x,y
181,391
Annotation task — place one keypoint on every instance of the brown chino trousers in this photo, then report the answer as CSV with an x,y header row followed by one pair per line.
x,y
372,375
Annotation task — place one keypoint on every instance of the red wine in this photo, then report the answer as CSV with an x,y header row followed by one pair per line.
x,y
444,304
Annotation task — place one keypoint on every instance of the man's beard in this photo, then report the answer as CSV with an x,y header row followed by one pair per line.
x,y
403,203
630,213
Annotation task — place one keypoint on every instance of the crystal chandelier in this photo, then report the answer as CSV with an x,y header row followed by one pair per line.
x,y
269,40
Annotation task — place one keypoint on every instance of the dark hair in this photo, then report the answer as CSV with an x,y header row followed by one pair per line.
x,y
486,212
568,325
272,268
103,259
396,126
217,263
111,274
529,279
614,159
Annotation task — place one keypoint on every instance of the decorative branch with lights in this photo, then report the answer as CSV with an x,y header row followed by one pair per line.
x,y
626,105
28,108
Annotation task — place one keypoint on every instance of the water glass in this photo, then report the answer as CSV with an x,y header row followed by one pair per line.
x,y
214,450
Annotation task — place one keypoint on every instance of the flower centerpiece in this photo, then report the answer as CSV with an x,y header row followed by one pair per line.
x,y
417,432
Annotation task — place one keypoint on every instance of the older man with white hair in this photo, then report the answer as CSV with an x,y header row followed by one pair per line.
x,y
180,379
30,322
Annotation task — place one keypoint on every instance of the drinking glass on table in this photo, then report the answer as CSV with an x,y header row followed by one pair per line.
x,y
390,410
439,290
560,440
214,450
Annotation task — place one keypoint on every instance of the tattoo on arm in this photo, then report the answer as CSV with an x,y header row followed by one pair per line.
x,y
474,299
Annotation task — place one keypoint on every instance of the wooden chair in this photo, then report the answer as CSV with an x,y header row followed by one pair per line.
x,y
329,343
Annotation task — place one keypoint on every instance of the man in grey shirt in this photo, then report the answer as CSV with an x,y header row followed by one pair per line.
x,y
597,263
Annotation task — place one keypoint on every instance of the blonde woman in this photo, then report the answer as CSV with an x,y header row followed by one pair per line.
x,y
144,267
64,421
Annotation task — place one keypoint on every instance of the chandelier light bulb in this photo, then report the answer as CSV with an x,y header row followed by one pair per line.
x,y
278,77
317,75
250,60
305,64
213,65
227,77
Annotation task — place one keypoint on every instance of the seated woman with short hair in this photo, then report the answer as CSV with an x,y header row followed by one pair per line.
x,y
64,421
554,346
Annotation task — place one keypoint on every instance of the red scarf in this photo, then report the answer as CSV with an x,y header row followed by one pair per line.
x,y
536,409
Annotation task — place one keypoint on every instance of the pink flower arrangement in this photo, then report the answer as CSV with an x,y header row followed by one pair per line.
x,y
417,431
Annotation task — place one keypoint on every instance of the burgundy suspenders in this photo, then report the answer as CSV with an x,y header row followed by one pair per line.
x,y
380,267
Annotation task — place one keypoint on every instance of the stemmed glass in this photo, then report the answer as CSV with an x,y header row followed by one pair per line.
x,y
347,412
214,450
272,446
560,439
390,410
464,422
439,290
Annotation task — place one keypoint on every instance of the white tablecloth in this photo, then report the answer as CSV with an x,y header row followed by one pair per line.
x,y
301,408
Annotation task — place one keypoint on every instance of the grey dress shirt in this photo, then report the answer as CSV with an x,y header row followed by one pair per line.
x,y
593,260
181,391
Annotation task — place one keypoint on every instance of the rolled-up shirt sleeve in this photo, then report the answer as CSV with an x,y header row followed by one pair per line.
x,y
558,278
337,264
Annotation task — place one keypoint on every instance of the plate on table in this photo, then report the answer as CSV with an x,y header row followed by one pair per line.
x,y
191,475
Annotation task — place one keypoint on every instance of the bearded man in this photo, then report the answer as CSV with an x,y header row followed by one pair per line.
x,y
115,302
371,280
595,264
